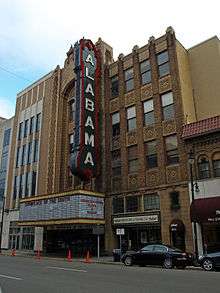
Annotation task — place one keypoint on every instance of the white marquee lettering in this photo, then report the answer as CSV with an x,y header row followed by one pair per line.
x,y
89,59
89,122
89,89
89,105
87,74
89,139
89,159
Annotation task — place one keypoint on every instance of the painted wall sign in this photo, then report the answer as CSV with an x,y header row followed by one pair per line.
x,y
84,157
66,207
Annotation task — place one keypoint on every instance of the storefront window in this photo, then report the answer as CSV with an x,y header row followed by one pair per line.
x,y
151,202
28,238
132,204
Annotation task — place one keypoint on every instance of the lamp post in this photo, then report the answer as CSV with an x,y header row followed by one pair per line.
x,y
3,211
191,160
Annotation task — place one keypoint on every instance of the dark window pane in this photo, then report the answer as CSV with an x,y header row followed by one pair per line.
x,y
149,118
168,112
114,86
129,74
162,58
32,125
151,161
26,128
36,151
131,124
33,183
204,171
29,157
216,168
38,122
172,150
151,202
118,205
145,66
164,69
18,157
23,156
133,166
20,130
146,77
174,198
129,85
132,204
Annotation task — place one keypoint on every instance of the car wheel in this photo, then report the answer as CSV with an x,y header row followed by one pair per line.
x,y
207,264
128,261
168,264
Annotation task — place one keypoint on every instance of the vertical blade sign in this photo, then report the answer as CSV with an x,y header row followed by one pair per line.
x,y
83,159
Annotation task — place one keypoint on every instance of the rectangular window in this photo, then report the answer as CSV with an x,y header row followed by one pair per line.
x,y
168,106
145,70
151,154
15,187
132,160
26,123
38,122
114,86
172,150
28,238
18,156
20,132
31,125
163,63
151,202
118,205
132,204
36,150
131,118
21,186
148,112
29,156
6,140
216,168
33,183
71,142
116,163
115,124
27,183
23,155
129,79
174,199
72,107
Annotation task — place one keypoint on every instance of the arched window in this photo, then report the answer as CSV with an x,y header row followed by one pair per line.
x,y
216,164
203,168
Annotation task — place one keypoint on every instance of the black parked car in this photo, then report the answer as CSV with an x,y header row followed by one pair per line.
x,y
158,254
210,261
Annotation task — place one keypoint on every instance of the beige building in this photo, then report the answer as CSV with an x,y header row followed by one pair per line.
x,y
145,99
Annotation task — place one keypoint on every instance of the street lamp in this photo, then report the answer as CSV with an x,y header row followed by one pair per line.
x,y
191,160
3,211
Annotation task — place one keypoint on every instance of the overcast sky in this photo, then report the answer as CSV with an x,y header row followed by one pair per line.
x,y
36,34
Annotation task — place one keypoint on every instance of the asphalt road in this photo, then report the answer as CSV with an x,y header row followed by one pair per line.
x,y
28,275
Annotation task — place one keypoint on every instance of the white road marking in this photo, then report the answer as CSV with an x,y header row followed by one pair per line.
x,y
10,277
66,269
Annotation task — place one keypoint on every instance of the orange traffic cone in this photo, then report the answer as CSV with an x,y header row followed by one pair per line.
x,y
87,258
69,256
13,252
38,254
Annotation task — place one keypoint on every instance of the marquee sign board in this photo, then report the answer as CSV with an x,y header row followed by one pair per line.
x,y
65,207
83,161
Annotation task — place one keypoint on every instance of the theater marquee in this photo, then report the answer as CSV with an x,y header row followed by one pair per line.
x,y
83,162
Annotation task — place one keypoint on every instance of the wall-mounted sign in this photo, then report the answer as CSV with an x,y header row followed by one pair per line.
x,y
65,207
136,220
120,231
83,161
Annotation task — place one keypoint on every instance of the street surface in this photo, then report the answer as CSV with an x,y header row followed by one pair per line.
x,y
29,275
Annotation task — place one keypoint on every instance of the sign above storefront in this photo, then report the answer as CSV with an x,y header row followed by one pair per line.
x,y
136,220
84,156
77,206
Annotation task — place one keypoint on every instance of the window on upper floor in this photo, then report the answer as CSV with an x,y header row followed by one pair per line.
x,y
148,112
20,131
27,184
203,168
132,203
21,186
36,151
15,187
118,205
167,106
72,109
132,159
23,155
32,125
114,86
129,79
26,124
116,163
131,118
174,200
151,154
151,202
216,164
163,63
71,141
33,183
115,124
172,149
6,140
38,122
145,70
29,155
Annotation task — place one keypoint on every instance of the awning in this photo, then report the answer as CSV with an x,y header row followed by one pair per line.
x,y
204,210
177,226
